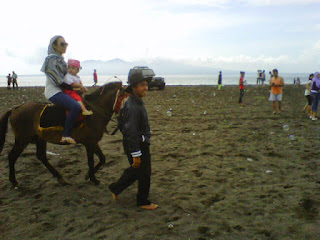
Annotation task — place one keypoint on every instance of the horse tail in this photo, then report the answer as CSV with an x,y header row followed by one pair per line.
x,y
4,128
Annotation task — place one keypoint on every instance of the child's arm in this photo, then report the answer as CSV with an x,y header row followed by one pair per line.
x,y
78,87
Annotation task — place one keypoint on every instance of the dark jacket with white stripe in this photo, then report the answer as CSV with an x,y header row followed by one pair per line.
x,y
134,125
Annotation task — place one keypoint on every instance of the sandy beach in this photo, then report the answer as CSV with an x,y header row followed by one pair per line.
x,y
219,171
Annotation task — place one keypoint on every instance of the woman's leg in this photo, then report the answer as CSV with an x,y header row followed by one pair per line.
x,y
315,102
63,100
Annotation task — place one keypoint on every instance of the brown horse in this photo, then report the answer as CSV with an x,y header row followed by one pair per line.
x,y
26,123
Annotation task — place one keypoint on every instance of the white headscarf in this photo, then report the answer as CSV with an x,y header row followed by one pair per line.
x,y
51,51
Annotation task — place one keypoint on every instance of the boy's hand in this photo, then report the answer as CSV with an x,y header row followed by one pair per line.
x,y
136,162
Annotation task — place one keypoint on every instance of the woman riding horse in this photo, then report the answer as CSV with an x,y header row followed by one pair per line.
x,y
55,69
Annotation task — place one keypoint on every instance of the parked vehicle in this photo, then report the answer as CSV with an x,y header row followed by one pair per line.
x,y
157,82
148,73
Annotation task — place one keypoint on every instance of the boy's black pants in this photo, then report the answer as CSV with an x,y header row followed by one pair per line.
x,y
141,174
241,95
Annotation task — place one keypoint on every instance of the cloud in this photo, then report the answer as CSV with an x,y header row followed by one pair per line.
x,y
37,57
228,3
278,2
9,53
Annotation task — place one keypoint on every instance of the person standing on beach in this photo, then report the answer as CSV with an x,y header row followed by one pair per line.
x,y
14,80
259,74
241,86
307,93
276,84
219,80
134,124
271,75
9,81
55,68
315,93
95,78
263,77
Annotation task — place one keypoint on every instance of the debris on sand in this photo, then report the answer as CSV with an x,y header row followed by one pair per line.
x,y
52,153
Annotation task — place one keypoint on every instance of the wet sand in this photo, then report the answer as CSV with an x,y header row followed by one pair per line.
x,y
220,171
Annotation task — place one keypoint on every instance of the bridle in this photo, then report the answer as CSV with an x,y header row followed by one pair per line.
x,y
115,109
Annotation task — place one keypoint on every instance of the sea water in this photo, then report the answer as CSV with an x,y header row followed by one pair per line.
x,y
227,79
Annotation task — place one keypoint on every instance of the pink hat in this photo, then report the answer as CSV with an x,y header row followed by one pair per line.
x,y
75,63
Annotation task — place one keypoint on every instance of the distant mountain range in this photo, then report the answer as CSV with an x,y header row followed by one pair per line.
x,y
160,66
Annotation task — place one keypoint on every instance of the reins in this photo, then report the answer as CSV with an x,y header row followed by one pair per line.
x,y
100,111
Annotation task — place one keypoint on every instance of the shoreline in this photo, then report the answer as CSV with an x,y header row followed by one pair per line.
x,y
199,85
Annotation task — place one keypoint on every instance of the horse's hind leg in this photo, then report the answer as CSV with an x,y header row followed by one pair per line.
x,y
13,156
102,161
42,156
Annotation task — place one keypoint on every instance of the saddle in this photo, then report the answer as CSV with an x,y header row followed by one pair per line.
x,y
55,116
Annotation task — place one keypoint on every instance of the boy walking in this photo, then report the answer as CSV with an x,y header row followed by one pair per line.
x,y
134,125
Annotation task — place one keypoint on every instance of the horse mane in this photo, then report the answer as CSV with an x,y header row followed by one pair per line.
x,y
102,90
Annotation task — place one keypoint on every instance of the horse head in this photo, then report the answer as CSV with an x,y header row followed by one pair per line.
x,y
107,98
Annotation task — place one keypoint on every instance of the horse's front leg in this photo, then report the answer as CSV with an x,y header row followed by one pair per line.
x,y
102,161
90,154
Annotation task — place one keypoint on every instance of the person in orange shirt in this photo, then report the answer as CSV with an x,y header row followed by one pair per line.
x,y
276,84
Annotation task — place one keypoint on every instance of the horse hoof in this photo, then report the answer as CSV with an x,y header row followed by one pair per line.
x,y
62,182
15,185
95,181
87,176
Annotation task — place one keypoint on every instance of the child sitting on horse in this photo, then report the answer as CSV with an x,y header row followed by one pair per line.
x,y
72,79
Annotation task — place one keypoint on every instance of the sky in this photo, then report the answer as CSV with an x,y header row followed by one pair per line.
x,y
223,34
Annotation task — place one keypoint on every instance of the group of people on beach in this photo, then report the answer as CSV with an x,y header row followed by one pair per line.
x,y
296,81
12,79
312,93
261,77
276,84
63,82
61,85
